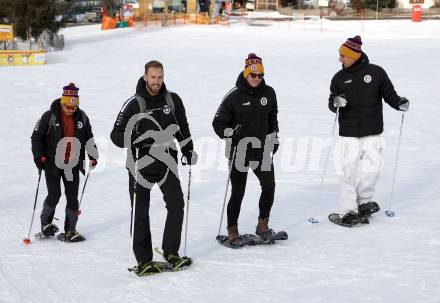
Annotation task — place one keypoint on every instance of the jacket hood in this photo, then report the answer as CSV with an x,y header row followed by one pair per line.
x,y
141,90
243,85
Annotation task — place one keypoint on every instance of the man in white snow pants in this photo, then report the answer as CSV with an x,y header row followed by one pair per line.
x,y
356,91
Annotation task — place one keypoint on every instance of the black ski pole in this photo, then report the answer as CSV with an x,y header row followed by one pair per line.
x,y
389,212
84,187
313,220
187,209
28,240
233,133
133,210
230,164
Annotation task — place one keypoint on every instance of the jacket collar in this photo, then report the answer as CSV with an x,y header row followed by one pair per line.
x,y
360,63
141,90
243,85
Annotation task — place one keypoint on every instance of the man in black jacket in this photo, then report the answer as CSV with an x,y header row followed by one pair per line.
x,y
147,124
59,142
248,117
356,91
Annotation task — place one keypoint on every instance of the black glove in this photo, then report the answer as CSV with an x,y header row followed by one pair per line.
x,y
40,162
403,104
190,157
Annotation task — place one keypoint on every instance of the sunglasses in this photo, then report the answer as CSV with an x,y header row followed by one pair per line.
x,y
255,76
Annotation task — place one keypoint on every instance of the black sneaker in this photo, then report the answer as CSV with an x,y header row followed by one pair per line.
x,y
369,208
176,261
49,230
147,268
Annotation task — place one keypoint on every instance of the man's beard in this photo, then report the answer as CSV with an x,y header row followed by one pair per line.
x,y
154,90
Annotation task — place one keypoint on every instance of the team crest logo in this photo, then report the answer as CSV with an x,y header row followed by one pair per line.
x,y
263,101
367,79
79,124
166,109
73,101
253,68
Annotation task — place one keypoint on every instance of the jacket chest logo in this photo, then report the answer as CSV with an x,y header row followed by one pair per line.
x,y
367,78
166,110
263,101
79,124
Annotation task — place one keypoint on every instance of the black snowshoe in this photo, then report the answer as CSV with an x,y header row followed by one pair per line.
x,y
71,236
369,208
250,239
348,220
47,231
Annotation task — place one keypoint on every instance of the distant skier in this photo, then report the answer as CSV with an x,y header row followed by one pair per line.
x,y
147,124
59,142
247,117
357,90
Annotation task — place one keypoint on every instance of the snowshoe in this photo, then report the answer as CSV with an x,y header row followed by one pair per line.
x,y
237,242
348,220
154,267
250,239
269,239
369,208
176,261
147,268
47,231
266,234
71,236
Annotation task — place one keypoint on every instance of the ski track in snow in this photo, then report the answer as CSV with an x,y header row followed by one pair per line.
x,y
390,260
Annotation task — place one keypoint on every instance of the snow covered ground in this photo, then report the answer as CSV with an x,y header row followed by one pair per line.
x,y
391,260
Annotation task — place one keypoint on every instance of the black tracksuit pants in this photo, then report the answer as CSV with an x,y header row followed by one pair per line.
x,y
238,184
54,195
173,197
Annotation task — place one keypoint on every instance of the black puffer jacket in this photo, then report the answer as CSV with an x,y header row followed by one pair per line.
x,y
363,85
48,132
161,118
255,109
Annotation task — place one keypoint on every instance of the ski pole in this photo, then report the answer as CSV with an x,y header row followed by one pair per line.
x,y
133,210
187,209
389,212
314,220
27,240
230,164
84,187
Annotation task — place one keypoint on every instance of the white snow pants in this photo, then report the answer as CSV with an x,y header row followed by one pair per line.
x,y
361,160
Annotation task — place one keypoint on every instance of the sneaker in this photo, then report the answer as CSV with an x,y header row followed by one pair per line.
x,y
49,230
369,208
73,236
263,230
176,261
233,233
147,268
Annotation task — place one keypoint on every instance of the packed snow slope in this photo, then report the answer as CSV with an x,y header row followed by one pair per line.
x,y
391,260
